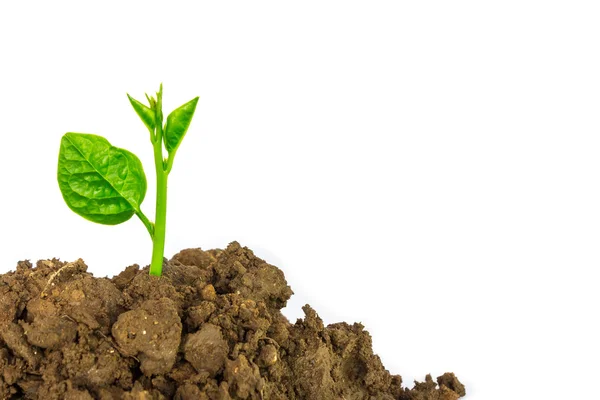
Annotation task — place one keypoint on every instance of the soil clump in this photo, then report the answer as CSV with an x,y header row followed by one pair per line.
x,y
210,329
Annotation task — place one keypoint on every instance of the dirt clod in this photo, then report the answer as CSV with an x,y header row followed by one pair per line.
x,y
152,332
210,328
206,349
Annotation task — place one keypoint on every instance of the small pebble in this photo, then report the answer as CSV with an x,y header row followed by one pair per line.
x,y
209,293
268,356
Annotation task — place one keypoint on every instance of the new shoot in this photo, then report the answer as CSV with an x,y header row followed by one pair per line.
x,y
107,185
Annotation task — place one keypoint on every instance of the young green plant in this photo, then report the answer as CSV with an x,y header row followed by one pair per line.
x,y
107,185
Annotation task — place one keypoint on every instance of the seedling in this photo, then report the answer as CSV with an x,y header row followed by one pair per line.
x,y
106,184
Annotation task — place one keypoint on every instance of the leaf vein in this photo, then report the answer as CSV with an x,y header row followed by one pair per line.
x,y
99,173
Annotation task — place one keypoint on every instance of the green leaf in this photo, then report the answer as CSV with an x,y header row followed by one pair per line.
x,y
100,182
144,112
178,123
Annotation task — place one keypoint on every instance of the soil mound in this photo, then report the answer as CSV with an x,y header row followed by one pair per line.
x,y
210,328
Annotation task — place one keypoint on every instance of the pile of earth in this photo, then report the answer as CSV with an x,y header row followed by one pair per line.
x,y
209,328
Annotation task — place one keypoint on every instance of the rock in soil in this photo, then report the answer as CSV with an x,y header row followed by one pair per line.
x,y
210,328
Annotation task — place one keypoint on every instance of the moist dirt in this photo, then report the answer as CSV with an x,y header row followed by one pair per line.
x,y
210,328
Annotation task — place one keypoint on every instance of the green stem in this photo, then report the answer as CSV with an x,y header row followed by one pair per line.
x,y
158,241
149,225
169,163
160,221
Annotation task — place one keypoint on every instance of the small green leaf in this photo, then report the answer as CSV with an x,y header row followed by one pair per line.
x,y
178,123
145,113
100,182
151,100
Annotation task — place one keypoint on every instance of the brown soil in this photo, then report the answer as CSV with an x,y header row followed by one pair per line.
x,y
210,328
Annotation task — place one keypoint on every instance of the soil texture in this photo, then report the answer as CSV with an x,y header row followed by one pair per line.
x,y
210,328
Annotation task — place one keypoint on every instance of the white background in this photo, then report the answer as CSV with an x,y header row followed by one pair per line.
x,y
431,169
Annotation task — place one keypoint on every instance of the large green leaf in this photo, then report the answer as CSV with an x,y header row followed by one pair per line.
x,y
178,123
98,181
